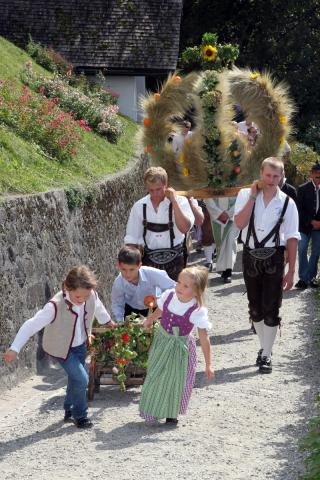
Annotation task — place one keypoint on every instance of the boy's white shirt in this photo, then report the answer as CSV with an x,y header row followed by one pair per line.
x,y
45,316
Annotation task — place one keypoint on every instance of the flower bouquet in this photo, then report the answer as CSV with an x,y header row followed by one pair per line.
x,y
121,353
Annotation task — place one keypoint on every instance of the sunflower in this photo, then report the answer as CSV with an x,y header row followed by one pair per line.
x,y
209,53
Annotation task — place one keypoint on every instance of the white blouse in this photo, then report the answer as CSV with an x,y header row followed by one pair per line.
x,y
198,317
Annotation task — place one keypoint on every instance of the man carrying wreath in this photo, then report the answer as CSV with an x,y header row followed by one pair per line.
x,y
159,224
270,225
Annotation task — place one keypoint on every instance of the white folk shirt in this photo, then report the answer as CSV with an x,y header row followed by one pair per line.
x,y
265,218
47,314
178,142
198,317
154,240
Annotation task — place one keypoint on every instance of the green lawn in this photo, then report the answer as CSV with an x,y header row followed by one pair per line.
x,y
24,168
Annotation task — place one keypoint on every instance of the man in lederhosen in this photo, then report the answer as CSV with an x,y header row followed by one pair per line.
x,y
160,224
270,225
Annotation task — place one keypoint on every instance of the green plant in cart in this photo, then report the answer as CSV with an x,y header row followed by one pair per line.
x,y
126,345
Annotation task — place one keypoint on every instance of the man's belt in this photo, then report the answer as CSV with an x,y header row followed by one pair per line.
x,y
157,227
264,253
162,256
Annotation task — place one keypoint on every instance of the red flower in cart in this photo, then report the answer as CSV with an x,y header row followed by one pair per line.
x,y
122,361
125,338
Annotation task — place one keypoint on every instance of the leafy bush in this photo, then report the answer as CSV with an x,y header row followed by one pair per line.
x,y
303,157
40,120
312,136
100,116
77,197
48,58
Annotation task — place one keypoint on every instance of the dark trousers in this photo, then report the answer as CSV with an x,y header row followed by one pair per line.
x,y
173,268
263,279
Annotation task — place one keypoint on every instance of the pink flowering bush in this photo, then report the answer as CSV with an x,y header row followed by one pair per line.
x,y
89,107
40,120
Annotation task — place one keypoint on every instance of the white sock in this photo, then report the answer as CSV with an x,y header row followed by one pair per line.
x,y
260,331
269,336
208,252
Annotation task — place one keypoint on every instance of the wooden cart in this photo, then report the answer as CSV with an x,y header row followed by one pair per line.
x,y
102,373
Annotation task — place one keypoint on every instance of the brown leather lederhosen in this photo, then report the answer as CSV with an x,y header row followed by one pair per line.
x,y
168,259
263,270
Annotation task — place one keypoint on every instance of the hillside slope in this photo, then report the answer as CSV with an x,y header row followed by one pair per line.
x,y
24,168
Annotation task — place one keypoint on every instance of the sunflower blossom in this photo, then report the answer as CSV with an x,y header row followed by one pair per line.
x,y
209,53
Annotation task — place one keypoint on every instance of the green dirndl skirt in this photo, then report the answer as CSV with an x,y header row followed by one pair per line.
x,y
166,376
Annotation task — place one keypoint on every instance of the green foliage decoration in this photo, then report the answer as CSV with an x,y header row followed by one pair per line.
x,y
126,345
223,56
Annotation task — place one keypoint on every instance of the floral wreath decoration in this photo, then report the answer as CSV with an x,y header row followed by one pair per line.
x,y
216,155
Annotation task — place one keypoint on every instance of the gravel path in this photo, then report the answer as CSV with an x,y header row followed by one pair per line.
x,y
242,426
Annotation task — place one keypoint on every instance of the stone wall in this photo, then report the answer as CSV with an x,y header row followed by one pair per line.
x,y
41,238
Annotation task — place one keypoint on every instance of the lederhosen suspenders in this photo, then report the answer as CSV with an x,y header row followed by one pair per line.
x,y
261,252
170,259
158,227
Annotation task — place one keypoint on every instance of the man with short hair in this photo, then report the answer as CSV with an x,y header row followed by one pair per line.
x,y
269,222
160,224
308,201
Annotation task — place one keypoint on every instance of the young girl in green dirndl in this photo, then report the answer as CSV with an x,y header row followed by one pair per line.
x,y
172,360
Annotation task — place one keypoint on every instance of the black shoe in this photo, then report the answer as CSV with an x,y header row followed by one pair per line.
x,y
301,284
83,423
172,421
259,357
227,279
208,265
314,283
265,365
67,415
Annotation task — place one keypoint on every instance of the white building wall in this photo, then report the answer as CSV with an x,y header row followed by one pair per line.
x,y
130,90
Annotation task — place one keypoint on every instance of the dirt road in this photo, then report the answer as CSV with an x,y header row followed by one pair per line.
x,y
243,425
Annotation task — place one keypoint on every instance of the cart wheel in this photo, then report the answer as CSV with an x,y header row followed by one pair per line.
x,y
91,385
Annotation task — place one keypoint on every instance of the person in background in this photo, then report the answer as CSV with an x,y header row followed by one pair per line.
x,y
308,202
179,139
198,221
225,234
